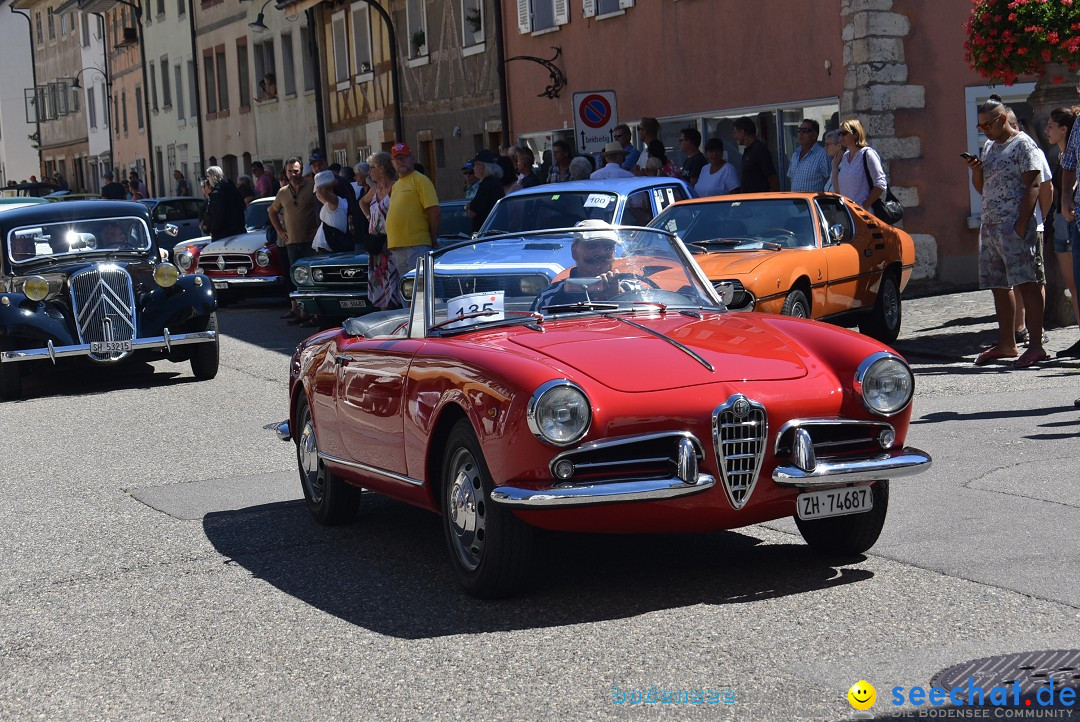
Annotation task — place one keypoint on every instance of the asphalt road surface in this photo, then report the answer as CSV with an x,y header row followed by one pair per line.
x,y
158,565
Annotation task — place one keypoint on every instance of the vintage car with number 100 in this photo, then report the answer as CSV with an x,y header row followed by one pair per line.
x,y
622,398
85,281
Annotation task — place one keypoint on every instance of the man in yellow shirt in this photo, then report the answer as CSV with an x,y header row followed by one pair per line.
x,y
412,223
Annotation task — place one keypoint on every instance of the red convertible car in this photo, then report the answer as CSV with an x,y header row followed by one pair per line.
x,y
622,398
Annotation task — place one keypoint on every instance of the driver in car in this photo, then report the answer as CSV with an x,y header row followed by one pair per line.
x,y
593,249
113,236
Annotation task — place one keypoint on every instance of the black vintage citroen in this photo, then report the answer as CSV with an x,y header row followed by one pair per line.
x,y
86,279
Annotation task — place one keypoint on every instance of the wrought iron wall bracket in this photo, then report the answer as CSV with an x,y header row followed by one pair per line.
x,y
558,80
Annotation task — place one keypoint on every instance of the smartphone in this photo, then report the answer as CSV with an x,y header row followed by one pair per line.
x,y
968,156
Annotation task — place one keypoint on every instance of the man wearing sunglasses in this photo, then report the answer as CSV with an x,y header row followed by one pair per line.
x,y
810,167
593,279
1007,176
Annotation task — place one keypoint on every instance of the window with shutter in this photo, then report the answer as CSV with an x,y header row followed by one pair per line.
x,y
524,17
562,12
588,8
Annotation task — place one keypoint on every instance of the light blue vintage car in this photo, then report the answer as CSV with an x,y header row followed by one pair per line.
x,y
532,266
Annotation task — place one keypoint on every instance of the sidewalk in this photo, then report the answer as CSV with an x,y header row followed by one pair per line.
x,y
956,327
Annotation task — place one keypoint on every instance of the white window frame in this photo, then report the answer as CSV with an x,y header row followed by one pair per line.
x,y
416,20
342,76
560,12
361,30
973,97
469,44
288,66
178,76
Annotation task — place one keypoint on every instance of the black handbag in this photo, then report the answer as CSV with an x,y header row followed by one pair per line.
x,y
886,207
374,243
339,241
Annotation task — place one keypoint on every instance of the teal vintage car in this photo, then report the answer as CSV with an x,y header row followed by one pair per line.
x,y
334,285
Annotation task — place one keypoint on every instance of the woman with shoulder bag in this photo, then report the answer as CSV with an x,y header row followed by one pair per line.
x,y
1066,234
382,274
857,173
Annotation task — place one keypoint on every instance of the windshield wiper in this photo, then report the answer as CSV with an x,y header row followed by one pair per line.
x,y
581,306
528,316
732,242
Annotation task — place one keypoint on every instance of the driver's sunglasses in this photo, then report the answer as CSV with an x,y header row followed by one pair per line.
x,y
990,123
601,245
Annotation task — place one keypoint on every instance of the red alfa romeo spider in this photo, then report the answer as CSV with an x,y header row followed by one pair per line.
x,y
622,398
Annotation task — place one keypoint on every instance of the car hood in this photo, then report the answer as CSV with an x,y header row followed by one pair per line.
x,y
548,255
243,243
334,259
625,358
718,264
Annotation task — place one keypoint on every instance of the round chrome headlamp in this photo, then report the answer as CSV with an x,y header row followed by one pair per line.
x,y
317,275
166,274
184,259
407,288
35,288
301,275
885,383
559,413
262,257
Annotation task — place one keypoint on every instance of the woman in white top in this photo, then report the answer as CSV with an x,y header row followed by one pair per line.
x,y
850,168
718,177
333,233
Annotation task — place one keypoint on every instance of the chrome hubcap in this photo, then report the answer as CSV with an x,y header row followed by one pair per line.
x,y
467,509
891,306
307,454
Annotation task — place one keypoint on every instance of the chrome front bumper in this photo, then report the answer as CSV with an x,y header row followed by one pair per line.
x,y
247,281
166,341
890,465
605,493
328,294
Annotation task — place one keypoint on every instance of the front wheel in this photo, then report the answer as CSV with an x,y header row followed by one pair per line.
x,y
884,321
329,498
489,547
851,534
796,305
206,357
10,381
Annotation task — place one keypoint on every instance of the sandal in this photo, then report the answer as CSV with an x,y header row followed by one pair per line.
x,y
1030,358
991,354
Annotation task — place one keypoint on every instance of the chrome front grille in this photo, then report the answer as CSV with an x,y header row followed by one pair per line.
x,y
104,303
225,263
740,427
344,274
650,456
836,438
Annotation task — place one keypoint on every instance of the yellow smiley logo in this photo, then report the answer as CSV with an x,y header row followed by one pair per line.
x,y
862,695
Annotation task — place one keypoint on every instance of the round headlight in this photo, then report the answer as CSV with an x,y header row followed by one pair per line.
x,y
36,288
559,413
885,383
407,288
166,274
262,257
185,259
317,275
301,275
532,285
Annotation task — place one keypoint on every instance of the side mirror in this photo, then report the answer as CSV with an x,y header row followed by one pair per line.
x,y
836,233
171,229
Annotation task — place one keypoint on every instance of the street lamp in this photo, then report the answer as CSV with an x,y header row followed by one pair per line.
x,y
259,26
75,81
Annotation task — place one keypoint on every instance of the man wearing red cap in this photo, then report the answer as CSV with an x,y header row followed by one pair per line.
x,y
412,223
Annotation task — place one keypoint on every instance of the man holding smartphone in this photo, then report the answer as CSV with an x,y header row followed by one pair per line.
x,y
1007,177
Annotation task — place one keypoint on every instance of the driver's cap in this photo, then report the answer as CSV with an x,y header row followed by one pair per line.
x,y
594,230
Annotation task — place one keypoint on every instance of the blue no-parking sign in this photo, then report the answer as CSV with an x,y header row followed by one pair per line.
x,y
594,117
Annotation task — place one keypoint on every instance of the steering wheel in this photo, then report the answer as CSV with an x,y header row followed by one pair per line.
x,y
632,282
783,235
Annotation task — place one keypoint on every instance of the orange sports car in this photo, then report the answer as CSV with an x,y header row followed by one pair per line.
x,y
813,255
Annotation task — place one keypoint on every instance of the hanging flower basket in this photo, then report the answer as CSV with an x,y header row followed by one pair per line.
x,y
1010,38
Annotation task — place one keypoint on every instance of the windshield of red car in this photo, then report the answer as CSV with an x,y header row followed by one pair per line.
x,y
76,238
787,222
537,211
584,270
